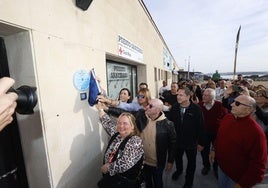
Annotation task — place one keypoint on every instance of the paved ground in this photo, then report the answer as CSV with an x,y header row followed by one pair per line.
x,y
264,183
200,181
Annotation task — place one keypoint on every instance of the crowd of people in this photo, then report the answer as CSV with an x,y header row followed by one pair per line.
x,y
225,120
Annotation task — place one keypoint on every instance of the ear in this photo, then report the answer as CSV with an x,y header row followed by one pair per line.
x,y
252,110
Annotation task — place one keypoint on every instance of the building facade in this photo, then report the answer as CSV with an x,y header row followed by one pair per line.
x,y
45,43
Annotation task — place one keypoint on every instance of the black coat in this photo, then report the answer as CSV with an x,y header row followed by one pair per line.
x,y
165,135
190,131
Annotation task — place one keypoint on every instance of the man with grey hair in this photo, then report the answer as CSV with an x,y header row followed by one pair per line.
x,y
213,112
240,146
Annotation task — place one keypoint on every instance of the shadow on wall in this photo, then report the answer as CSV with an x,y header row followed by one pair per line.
x,y
80,170
85,153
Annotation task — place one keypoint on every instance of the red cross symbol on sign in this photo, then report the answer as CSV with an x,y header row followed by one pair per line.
x,y
120,51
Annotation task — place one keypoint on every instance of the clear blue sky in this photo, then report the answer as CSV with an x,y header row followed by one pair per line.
x,y
205,31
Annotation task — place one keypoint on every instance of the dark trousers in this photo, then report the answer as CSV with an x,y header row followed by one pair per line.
x,y
10,181
153,176
208,141
191,162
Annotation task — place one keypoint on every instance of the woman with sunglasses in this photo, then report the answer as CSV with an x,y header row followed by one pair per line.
x,y
143,98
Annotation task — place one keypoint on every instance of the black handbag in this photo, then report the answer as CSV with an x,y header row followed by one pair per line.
x,y
116,181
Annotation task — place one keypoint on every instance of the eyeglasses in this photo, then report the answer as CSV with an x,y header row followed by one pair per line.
x,y
141,96
150,106
237,103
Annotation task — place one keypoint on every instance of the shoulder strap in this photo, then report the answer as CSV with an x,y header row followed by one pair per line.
x,y
123,143
121,147
112,139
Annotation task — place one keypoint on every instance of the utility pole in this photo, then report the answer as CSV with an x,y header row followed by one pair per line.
x,y
236,47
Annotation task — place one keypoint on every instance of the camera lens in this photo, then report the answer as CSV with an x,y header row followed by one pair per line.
x,y
27,99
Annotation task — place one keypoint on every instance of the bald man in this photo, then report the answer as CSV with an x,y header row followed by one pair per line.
x,y
240,147
159,139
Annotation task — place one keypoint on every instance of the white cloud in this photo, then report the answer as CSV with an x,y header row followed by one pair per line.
x,y
206,31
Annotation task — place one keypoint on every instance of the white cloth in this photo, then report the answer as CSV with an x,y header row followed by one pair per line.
x,y
219,93
163,89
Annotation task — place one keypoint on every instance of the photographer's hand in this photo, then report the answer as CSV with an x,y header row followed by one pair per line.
x,y
7,102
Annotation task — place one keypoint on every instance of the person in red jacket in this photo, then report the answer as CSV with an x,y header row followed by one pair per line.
x,y
240,147
213,112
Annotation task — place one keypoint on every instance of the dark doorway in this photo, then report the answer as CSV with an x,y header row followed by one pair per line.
x,y
12,168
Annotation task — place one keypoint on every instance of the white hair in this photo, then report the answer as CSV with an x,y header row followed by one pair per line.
x,y
212,93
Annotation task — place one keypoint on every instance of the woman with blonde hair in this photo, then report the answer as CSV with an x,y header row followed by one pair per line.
x,y
123,158
143,98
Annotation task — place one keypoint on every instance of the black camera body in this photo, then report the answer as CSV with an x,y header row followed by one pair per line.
x,y
27,99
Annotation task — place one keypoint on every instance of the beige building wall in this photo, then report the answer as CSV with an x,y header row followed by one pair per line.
x,y
47,42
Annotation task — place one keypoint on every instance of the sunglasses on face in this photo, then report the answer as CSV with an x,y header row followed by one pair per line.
x,y
141,96
150,106
237,103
